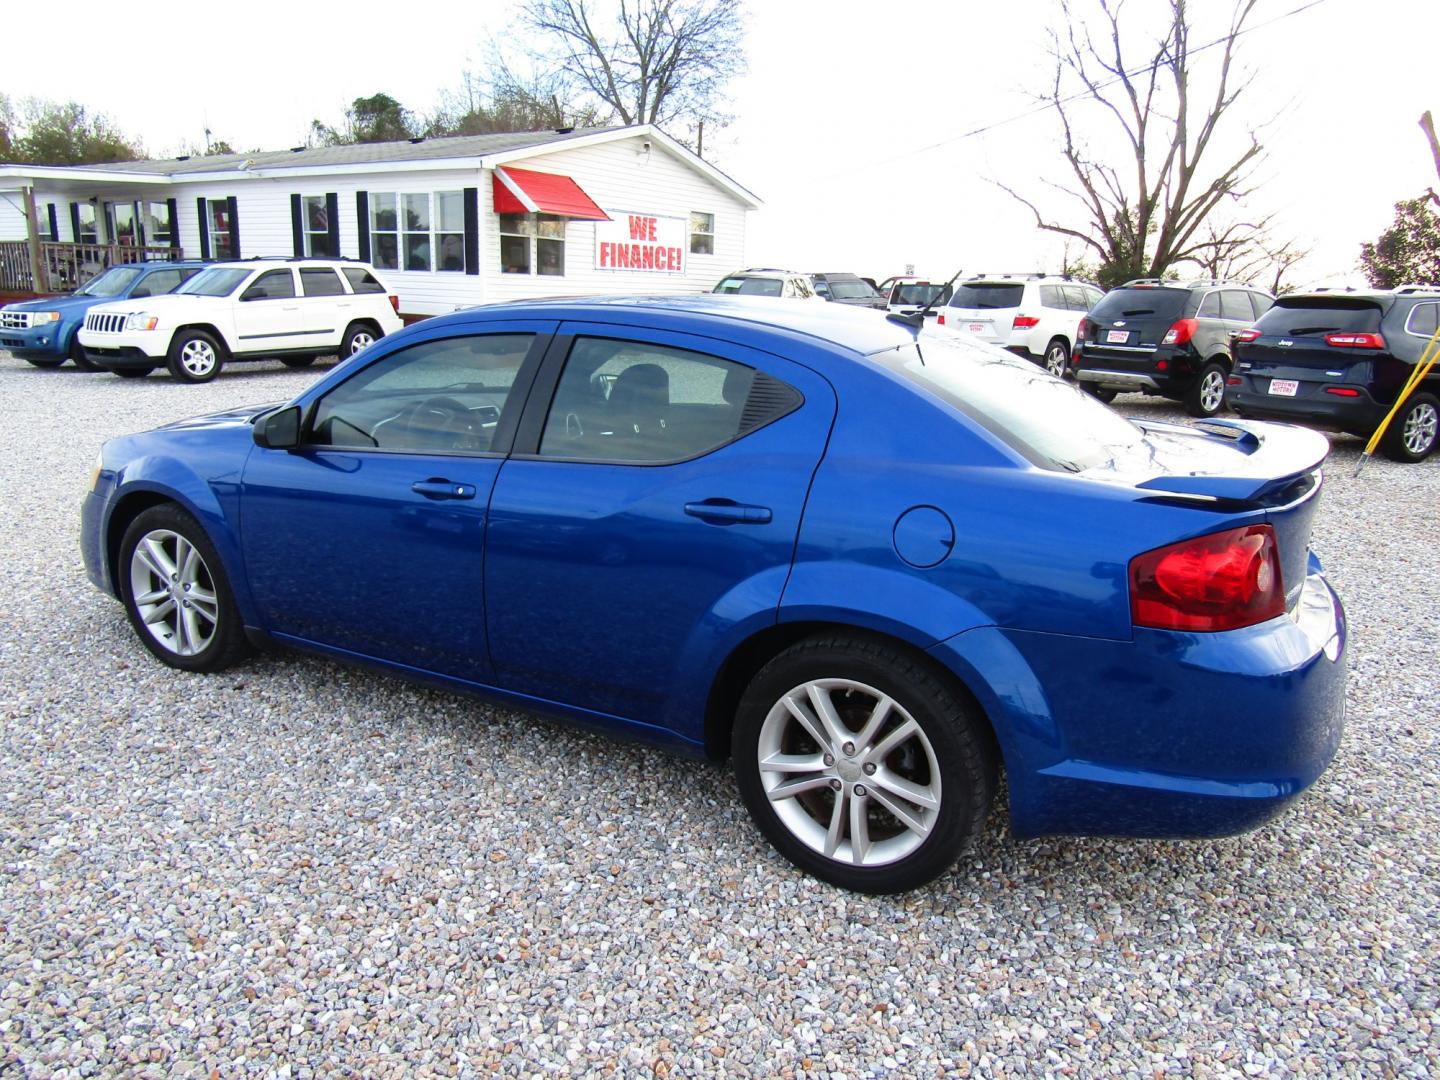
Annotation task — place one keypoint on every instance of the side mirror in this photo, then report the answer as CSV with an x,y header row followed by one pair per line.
x,y
279,430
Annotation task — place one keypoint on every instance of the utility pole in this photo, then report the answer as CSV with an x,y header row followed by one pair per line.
x,y
1427,125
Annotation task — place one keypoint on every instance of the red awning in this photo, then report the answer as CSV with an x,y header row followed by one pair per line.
x,y
520,191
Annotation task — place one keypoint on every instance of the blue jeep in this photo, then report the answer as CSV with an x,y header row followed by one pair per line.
x,y
43,331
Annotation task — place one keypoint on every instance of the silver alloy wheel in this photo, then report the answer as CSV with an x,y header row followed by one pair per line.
x,y
1420,427
849,772
1212,391
198,357
173,592
362,339
1055,361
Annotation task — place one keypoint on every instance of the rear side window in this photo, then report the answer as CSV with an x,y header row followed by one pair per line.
x,y
362,281
320,281
1166,304
1052,297
984,296
1309,315
1423,319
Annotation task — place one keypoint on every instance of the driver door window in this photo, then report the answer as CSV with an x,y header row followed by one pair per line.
x,y
438,397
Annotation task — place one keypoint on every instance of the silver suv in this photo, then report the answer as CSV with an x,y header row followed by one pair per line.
x,y
767,281
1033,315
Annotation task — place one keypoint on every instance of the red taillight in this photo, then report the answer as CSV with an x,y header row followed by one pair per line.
x,y
394,302
1162,365
1218,582
1025,322
1342,391
1355,341
1234,380
940,318
1247,335
1181,332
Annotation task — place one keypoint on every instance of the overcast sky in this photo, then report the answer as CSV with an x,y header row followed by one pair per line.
x,y
850,124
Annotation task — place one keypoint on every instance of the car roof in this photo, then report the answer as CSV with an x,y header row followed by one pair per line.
x,y
863,330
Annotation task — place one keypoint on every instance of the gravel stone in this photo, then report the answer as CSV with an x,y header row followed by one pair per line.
x,y
301,869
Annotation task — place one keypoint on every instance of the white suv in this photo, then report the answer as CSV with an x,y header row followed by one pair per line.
x,y
292,309
1034,315
765,281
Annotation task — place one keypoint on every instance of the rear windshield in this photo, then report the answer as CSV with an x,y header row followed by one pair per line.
x,y
850,290
917,294
751,286
1302,315
1052,423
1164,304
217,281
987,296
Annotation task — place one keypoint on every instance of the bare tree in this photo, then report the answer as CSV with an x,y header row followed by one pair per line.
x,y
506,100
1248,251
1144,207
661,62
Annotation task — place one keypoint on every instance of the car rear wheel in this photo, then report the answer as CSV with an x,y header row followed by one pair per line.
x,y
358,336
861,764
1206,395
1412,434
176,593
195,357
78,357
1057,358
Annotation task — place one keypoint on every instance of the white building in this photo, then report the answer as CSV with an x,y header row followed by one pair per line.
x,y
448,221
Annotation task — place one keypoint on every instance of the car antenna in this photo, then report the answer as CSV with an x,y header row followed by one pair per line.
x,y
916,321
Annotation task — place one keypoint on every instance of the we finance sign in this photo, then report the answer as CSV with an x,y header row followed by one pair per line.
x,y
644,242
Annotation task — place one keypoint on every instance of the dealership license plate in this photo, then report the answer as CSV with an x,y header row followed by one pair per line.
x,y
1284,387
1117,337
977,327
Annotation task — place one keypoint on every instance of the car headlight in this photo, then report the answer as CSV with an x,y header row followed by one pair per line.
x,y
40,318
142,320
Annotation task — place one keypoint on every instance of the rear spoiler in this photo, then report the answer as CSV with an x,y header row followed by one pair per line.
x,y
1277,456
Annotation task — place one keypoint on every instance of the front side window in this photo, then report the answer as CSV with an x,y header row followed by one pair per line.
x,y
216,281
633,402
532,243
271,285
220,245
438,397
1235,305
1209,307
702,233
317,227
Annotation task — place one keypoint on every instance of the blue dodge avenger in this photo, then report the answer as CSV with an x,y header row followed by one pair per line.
x,y
872,571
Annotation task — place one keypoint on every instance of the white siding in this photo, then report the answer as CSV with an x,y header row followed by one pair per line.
x,y
12,216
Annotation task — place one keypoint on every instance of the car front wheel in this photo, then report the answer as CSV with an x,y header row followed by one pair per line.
x,y
1206,396
195,357
1412,434
176,593
861,764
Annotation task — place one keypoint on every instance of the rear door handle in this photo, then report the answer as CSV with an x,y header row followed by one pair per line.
x,y
443,489
728,512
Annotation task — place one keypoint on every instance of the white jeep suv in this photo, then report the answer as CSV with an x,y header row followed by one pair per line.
x,y
1034,315
291,309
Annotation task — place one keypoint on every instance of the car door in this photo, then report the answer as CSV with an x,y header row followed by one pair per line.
x,y
267,313
324,306
370,536
654,500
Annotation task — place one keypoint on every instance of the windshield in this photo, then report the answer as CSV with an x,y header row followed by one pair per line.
x,y
217,281
1164,304
987,296
850,290
112,282
750,286
1300,317
1053,423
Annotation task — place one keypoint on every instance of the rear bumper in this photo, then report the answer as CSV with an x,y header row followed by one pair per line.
x,y
1168,735
1137,369
1312,405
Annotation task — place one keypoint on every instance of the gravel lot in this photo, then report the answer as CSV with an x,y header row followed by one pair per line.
x,y
297,868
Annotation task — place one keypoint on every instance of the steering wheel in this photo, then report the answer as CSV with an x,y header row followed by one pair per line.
x,y
437,423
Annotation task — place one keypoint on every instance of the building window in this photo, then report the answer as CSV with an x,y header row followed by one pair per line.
x,y
220,246
317,227
532,243
450,231
702,233
159,231
415,235
405,234
89,230
384,237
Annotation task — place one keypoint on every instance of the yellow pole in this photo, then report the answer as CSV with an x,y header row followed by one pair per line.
x,y
1428,356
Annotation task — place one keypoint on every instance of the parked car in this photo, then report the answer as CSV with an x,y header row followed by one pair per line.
x,y
766,281
842,556
1166,338
1032,315
291,309
44,332
916,295
1339,361
848,289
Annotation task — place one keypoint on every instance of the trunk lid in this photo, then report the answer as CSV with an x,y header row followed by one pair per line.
x,y
1135,318
985,309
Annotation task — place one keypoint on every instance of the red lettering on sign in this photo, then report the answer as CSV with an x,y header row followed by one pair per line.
x,y
643,228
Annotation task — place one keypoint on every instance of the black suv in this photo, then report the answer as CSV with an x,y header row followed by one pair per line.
x,y
1339,360
848,289
1166,338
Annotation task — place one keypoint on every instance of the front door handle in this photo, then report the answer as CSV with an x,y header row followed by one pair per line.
x,y
728,512
436,488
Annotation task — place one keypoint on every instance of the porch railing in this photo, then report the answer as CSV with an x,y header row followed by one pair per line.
x,y
65,267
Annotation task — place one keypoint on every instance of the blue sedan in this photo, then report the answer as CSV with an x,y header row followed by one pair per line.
x,y
869,569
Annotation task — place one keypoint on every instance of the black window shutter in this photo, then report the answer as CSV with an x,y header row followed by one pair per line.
x,y
297,225
75,222
332,215
54,225
362,217
472,230
172,210
234,229
202,211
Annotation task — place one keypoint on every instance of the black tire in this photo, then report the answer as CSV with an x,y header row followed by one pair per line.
x,y
45,361
210,636
358,335
297,361
1202,398
78,357
1412,435
1101,393
133,372
951,756
195,357
1057,358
